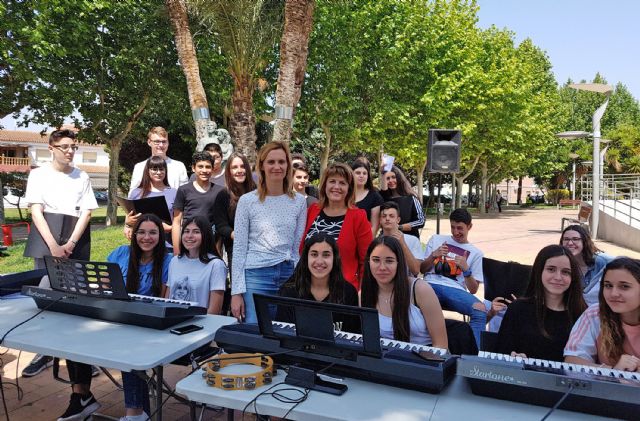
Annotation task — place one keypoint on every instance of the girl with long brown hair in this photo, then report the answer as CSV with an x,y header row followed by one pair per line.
x,y
408,312
538,325
608,333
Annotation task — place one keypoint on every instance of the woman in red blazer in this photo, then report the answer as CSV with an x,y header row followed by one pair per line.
x,y
336,215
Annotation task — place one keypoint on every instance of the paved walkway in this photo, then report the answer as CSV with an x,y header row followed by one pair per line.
x,y
515,234
518,234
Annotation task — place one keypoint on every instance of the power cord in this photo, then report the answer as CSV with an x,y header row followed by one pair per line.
x,y
277,395
558,403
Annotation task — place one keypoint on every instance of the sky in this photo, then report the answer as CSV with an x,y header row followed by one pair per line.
x,y
580,37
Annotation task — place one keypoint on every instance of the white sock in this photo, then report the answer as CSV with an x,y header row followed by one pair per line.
x,y
141,417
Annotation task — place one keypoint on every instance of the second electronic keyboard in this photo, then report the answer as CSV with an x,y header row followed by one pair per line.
x,y
594,390
399,366
152,312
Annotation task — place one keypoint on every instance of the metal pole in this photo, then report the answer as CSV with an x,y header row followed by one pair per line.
x,y
573,184
438,204
595,199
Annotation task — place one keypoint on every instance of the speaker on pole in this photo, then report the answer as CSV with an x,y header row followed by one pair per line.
x,y
443,151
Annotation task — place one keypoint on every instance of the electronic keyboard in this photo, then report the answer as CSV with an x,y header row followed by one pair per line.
x,y
139,310
594,390
399,365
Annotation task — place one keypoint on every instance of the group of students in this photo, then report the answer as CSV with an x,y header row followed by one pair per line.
x,y
279,241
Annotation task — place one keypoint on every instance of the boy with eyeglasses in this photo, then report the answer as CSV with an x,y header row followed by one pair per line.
x,y
61,201
453,268
158,141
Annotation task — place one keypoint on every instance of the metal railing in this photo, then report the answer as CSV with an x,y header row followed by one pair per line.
x,y
619,196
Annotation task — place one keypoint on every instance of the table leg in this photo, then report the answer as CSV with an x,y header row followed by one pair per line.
x,y
159,383
230,413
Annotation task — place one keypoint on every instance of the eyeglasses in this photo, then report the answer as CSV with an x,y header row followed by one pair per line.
x,y
160,142
157,169
152,233
65,148
376,261
574,240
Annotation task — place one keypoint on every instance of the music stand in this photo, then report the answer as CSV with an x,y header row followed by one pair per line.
x,y
314,333
81,277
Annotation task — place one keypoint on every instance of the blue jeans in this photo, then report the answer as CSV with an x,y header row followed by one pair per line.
x,y
461,301
266,280
136,391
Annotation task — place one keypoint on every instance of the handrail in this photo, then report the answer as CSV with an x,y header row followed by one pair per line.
x,y
619,196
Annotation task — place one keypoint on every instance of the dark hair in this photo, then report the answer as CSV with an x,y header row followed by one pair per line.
x,y
208,245
460,215
234,188
389,204
202,156
403,187
337,170
212,147
145,184
301,278
56,135
589,249
361,163
299,156
135,254
611,333
572,298
401,295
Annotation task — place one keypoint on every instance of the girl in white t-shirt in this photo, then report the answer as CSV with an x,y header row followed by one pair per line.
x,y
198,273
608,333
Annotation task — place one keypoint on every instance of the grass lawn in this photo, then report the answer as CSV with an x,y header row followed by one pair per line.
x,y
103,241
98,216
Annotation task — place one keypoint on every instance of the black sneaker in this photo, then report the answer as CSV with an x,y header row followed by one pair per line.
x,y
39,363
95,371
80,407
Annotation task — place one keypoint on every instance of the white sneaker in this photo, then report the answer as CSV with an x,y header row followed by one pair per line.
x,y
141,417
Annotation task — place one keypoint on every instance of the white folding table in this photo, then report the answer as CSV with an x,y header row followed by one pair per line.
x,y
104,344
371,401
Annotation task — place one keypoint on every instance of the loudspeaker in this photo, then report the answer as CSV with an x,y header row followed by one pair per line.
x,y
443,151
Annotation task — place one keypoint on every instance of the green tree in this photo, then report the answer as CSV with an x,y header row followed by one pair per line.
x,y
92,64
245,31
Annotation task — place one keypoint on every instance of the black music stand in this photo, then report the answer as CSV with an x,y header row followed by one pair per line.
x,y
81,277
314,333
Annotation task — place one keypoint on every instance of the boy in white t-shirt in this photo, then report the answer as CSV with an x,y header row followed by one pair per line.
x,y
411,246
158,141
453,268
61,200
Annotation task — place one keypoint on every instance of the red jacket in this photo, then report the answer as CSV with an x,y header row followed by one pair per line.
x,y
353,240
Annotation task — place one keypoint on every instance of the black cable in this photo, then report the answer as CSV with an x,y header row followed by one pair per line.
x,y
558,403
31,318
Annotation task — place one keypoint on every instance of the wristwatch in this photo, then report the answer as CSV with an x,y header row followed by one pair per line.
x,y
467,273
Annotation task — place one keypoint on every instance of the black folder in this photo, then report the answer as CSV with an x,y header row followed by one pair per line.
x,y
156,205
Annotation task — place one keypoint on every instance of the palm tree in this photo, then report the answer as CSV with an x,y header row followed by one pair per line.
x,y
245,31
294,49
179,19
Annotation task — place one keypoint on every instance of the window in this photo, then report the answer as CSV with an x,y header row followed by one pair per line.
x,y
89,157
43,155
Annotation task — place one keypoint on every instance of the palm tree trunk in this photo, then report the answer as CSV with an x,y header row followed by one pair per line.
x,y
242,124
294,50
189,61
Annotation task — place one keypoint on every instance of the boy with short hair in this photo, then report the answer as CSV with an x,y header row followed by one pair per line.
x,y
195,198
61,200
453,268
411,246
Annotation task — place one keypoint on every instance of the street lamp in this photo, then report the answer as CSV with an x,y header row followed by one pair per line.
x,y
597,116
573,157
